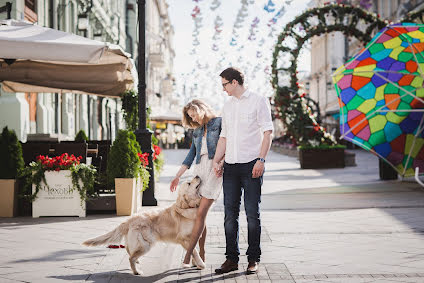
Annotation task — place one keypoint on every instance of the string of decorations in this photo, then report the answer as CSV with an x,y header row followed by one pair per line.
x,y
244,43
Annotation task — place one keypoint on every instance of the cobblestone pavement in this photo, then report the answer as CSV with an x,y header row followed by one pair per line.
x,y
333,225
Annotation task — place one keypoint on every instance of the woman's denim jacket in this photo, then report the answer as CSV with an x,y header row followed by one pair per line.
x,y
212,136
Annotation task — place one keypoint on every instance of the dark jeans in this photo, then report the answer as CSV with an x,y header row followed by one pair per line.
x,y
236,177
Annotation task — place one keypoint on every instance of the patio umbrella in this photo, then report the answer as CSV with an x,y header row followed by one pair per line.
x,y
381,97
39,59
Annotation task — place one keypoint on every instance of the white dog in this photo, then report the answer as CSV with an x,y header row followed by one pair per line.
x,y
172,224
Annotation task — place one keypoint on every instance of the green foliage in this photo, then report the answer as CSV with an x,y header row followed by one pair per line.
x,y
123,161
158,165
33,174
81,136
145,177
12,162
130,109
85,174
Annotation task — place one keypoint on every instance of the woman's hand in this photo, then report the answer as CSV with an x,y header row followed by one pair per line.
x,y
174,184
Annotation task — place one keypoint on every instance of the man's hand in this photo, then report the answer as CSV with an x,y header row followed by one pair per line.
x,y
174,184
258,169
217,167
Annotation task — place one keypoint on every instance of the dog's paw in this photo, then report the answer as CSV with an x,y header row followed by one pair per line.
x,y
137,272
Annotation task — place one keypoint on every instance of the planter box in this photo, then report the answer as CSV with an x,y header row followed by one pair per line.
x,y
8,199
58,198
125,196
128,196
321,158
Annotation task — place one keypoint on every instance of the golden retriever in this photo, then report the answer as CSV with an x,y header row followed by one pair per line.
x,y
172,224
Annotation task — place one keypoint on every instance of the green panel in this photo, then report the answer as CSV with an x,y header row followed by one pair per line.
x,y
377,138
403,105
377,47
405,57
355,102
409,165
367,144
420,58
391,89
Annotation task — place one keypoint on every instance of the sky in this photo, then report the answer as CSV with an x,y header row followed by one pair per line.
x,y
246,40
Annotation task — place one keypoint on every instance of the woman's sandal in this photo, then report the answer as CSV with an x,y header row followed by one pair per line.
x,y
185,265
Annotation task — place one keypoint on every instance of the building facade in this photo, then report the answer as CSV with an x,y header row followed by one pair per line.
x,y
330,51
62,115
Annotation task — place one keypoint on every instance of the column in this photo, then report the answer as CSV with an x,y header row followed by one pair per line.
x,y
14,113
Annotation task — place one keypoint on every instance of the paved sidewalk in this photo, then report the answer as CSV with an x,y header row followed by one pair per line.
x,y
333,225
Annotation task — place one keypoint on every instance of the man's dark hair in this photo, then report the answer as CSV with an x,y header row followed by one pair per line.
x,y
231,74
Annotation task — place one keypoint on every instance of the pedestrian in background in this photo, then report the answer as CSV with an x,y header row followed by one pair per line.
x,y
207,128
245,140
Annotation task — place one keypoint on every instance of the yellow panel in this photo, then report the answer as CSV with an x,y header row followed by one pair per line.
x,y
367,105
393,43
379,93
396,51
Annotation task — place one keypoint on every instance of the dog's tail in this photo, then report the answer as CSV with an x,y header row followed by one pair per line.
x,y
112,237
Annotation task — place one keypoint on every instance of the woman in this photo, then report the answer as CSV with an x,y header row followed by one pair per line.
x,y
207,127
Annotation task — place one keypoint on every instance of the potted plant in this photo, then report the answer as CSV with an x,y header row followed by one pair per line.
x,y
60,185
81,136
127,171
11,166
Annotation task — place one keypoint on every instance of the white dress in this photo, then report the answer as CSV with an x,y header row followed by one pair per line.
x,y
210,186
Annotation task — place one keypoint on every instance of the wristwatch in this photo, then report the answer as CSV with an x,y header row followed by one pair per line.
x,y
262,160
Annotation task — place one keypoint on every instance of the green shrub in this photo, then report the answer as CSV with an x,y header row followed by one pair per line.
x,y
12,161
130,109
81,136
123,160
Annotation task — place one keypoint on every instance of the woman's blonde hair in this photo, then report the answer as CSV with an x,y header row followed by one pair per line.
x,y
202,109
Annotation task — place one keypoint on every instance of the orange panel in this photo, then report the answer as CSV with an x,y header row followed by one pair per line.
x,y
389,98
406,80
357,120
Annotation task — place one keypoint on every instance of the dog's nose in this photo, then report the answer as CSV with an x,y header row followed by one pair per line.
x,y
197,177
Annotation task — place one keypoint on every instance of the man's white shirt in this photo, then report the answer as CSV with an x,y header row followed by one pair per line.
x,y
244,121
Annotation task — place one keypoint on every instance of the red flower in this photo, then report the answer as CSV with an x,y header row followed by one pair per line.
x,y
144,159
57,163
156,151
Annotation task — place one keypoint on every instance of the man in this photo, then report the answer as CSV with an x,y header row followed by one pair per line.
x,y
245,140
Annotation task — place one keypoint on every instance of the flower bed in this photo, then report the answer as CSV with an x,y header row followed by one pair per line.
x,y
57,180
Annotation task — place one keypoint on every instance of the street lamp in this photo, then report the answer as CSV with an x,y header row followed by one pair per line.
x,y
143,134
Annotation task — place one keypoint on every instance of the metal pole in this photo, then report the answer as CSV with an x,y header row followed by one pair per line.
x,y
9,10
143,134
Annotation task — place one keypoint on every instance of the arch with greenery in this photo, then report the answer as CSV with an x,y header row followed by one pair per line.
x,y
290,103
